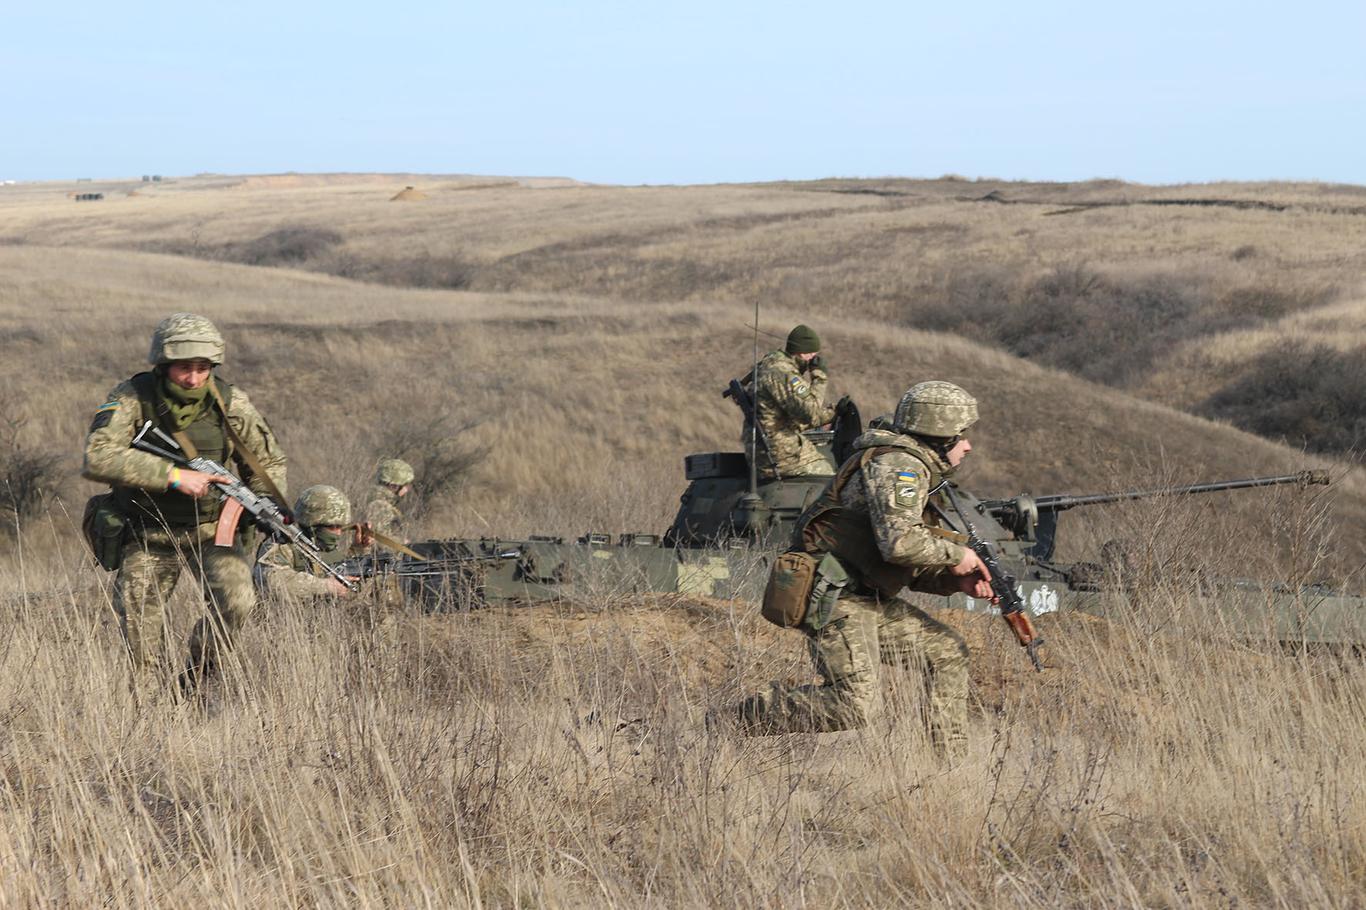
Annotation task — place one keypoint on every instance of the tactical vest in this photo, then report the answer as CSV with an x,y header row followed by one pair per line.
x,y
829,526
210,439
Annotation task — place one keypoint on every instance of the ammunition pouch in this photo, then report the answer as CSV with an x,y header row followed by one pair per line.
x,y
803,589
105,527
831,580
788,593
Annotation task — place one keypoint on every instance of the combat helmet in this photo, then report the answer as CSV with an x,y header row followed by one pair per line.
x,y
395,472
322,505
185,336
935,408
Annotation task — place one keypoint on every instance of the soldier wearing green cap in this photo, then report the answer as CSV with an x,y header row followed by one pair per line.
x,y
324,513
788,388
874,519
393,482
169,513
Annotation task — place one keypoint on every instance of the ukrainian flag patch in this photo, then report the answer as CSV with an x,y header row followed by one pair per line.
x,y
107,406
907,477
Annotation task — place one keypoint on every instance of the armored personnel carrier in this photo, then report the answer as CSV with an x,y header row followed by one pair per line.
x,y
729,526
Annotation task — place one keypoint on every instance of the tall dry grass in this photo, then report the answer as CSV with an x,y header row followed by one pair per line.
x,y
559,755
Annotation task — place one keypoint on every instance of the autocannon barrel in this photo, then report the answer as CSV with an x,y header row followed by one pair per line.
x,y
1060,503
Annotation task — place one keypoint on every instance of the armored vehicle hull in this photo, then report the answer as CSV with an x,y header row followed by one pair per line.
x,y
726,532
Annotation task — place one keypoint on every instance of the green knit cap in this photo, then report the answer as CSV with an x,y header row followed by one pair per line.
x,y
803,340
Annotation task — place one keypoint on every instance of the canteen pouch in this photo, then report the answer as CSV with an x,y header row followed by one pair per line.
x,y
831,580
104,526
788,593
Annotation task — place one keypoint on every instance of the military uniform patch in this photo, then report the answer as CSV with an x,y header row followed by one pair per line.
x,y
103,414
905,492
798,386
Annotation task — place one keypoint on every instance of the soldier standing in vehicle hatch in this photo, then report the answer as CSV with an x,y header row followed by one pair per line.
x,y
788,388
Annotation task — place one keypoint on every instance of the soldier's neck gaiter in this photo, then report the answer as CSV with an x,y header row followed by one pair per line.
x,y
183,404
325,539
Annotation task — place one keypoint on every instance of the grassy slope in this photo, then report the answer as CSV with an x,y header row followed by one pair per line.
x,y
588,406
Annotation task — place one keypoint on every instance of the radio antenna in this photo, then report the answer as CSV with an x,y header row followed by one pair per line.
x,y
754,409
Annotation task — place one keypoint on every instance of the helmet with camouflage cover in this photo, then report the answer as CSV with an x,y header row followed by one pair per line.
x,y
185,336
935,408
322,505
395,472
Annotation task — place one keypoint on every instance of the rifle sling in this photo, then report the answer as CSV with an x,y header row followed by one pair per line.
x,y
384,540
247,454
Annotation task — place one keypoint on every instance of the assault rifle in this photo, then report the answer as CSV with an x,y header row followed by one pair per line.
x,y
1003,586
742,397
238,498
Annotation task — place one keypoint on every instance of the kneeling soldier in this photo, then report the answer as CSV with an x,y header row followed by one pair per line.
x,y
393,481
325,514
873,520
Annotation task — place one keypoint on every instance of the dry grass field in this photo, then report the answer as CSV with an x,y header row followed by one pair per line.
x,y
576,338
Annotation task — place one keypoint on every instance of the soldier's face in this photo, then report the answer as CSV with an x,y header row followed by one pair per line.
x,y
807,358
189,374
960,450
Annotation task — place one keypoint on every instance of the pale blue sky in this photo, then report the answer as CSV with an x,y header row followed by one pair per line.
x,y
691,92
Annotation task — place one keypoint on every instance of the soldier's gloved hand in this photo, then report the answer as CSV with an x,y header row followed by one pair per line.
x,y
818,363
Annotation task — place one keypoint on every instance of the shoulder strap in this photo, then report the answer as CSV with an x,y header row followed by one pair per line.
x,y
242,449
846,473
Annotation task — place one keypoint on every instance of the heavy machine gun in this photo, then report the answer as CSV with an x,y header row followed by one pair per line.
x,y
1035,518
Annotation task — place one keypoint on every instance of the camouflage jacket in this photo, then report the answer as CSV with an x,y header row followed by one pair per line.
x,y
788,401
110,458
382,512
873,516
282,572
893,489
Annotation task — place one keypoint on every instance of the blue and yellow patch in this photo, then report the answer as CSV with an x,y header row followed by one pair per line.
x,y
107,406
905,495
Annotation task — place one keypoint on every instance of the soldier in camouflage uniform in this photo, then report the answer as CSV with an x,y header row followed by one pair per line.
x,y
873,517
393,481
170,511
788,388
324,513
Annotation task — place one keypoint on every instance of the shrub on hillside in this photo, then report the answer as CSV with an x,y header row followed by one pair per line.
x,y
28,477
1105,328
450,271
288,246
438,450
1308,395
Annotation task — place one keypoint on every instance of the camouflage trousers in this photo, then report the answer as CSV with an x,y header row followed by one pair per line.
x,y
152,566
848,653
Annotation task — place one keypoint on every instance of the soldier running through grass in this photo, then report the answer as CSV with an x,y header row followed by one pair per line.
x,y
168,514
